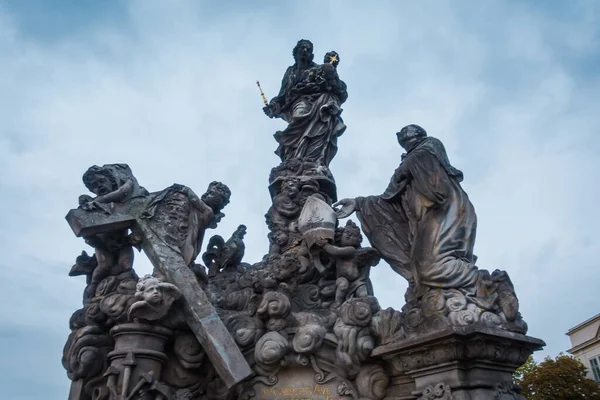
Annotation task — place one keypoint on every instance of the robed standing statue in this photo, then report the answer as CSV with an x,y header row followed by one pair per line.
x,y
309,101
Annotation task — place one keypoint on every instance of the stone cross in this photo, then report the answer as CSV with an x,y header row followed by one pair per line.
x,y
201,316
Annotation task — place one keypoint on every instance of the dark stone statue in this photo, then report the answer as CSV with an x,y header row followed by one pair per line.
x,y
309,100
154,298
116,348
424,226
303,322
351,260
424,223
111,183
221,254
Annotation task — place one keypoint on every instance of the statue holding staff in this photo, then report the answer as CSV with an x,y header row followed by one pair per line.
x,y
309,100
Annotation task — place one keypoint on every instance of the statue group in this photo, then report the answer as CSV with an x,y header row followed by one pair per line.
x,y
302,322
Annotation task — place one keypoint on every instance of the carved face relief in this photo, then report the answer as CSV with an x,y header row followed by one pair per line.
x,y
100,185
349,238
154,299
304,51
280,238
152,293
215,199
290,189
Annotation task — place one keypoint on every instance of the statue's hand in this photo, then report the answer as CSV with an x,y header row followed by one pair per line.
x,y
348,206
272,109
93,206
89,205
268,111
84,199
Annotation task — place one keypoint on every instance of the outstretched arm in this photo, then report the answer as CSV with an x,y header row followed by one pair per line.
x,y
348,207
118,195
274,108
341,252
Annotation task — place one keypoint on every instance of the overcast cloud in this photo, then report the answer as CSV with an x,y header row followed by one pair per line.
x,y
511,88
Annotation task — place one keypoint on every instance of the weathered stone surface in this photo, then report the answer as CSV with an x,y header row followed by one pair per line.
x,y
169,226
309,100
201,316
424,226
469,363
155,298
302,322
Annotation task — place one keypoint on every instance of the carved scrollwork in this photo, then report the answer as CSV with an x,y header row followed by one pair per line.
x,y
84,354
246,330
271,348
308,338
345,388
308,297
356,312
372,382
274,305
440,391
188,350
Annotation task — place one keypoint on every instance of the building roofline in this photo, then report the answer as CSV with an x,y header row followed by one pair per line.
x,y
583,345
584,323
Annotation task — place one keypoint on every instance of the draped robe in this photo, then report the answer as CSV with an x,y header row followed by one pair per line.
x,y
314,119
182,219
424,224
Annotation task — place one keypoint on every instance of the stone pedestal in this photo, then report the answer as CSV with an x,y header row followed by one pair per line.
x,y
136,360
458,363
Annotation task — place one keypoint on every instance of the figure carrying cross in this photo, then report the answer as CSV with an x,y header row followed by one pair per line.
x,y
169,226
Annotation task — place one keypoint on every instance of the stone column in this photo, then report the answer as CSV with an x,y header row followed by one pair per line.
x,y
136,360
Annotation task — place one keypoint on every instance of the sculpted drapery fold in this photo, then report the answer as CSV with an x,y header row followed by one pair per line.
x,y
424,223
309,101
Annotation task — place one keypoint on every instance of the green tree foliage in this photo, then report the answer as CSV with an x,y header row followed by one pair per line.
x,y
562,378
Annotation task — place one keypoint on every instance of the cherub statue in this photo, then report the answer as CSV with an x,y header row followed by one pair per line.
x,y
154,299
286,203
111,183
352,263
323,77
278,240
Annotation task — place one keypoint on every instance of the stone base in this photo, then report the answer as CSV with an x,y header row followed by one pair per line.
x,y
457,363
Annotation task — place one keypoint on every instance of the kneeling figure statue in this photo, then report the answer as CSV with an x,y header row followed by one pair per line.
x,y
424,226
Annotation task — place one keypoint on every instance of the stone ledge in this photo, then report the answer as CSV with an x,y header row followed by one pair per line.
x,y
465,363
462,333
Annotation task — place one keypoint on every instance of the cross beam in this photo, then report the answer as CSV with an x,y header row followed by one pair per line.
x,y
201,316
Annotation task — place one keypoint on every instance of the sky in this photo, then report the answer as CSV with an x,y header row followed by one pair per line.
x,y
512,88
